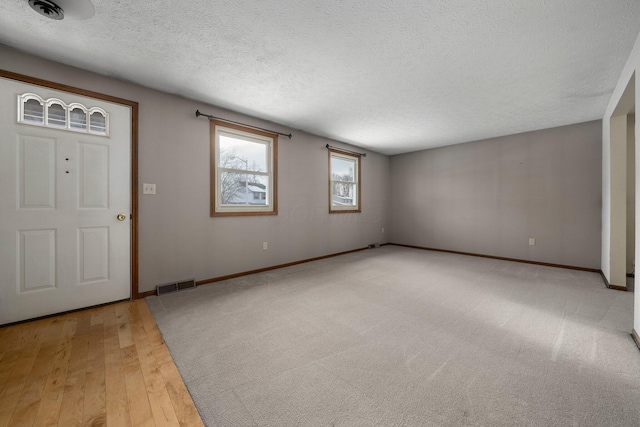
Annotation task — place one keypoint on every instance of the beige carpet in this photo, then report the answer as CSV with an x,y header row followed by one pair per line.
x,y
403,337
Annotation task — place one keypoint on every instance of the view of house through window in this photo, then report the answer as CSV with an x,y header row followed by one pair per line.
x,y
244,178
344,178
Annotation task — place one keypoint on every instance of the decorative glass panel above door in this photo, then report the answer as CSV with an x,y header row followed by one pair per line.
x,y
98,123
56,115
53,112
33,111
78,119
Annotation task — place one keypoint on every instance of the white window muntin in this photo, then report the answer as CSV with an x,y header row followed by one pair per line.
x,y
254,138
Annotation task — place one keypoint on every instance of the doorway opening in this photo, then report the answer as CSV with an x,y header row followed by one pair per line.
x,y
622,254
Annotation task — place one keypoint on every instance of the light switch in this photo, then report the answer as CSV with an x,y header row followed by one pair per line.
x,y
148,189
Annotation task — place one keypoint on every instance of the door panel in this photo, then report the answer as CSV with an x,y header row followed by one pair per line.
x,y
94,176
62,246
36,173
93,244
37,264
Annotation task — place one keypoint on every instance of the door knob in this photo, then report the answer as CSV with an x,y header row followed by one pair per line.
x,y
121,217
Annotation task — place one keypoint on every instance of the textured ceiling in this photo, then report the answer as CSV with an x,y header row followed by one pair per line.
x,y
390,76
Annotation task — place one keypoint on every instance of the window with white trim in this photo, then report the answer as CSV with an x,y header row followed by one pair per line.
x,y
54,113
243,170
344,182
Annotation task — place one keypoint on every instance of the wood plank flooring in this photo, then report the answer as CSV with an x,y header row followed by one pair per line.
x,y
105,366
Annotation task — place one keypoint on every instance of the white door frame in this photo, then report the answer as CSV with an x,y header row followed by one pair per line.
x,y
617,127
135,294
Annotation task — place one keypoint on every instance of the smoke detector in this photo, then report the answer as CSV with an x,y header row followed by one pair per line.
x,y
47,8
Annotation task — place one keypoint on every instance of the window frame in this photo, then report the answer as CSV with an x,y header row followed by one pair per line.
x,y
46,121
271,141
356,158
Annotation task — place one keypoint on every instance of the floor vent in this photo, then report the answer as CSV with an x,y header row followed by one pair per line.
x,y
374,245
173,287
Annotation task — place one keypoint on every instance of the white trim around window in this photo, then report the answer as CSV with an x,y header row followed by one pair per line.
x,y
54,113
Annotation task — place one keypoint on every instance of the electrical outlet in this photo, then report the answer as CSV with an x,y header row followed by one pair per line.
x,y
382,230
532,241
265,246
148,189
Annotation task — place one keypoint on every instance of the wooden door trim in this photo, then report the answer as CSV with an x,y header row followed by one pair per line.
x,y
134,154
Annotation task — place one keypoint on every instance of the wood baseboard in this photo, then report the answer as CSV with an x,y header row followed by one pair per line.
x,y
275,267
259,270
609,285
636,338
289,264
145,294
524,261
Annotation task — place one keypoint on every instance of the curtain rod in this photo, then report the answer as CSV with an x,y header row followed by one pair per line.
x,y
198,114
348,151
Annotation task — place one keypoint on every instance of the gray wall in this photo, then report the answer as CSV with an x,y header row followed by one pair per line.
x,y
178,239
488,197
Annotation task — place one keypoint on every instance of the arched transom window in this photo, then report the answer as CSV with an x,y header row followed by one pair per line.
x,y
54,113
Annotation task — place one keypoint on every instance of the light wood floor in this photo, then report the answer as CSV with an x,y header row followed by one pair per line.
x,y
106,366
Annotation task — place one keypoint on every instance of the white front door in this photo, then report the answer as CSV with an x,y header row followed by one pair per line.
x,y
62,245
